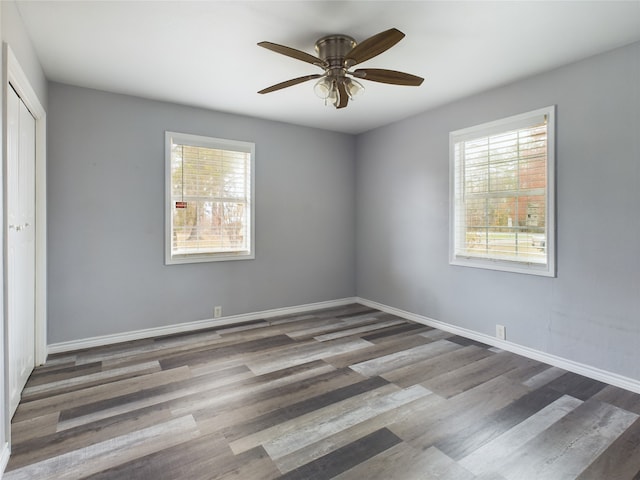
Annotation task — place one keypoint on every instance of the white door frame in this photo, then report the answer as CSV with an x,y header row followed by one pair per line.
x,y
14,74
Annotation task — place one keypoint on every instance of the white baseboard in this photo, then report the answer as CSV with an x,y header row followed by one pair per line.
x,y
566,364
103,340
4,458
575,367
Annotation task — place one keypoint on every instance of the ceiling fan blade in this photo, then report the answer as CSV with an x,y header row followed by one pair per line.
x,y
293,53
343,95
388,76
373,46
290,83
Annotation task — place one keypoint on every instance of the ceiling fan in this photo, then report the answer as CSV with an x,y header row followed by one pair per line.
x,y
337,54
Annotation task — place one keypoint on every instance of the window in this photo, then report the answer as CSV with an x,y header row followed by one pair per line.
x,y
209,199
502,194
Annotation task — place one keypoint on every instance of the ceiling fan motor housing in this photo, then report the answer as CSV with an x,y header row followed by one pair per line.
x,y
333,48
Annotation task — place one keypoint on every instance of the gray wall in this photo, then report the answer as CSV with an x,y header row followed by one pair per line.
x,y
106,271
590,313
106,267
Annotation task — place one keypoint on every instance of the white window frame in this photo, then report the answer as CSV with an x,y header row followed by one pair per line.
x,y
492,128
216,143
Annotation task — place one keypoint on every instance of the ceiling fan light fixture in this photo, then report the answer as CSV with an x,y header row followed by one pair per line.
x,y
323,88
354,88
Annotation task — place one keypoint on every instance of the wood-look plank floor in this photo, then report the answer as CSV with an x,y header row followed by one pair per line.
x,y
345,393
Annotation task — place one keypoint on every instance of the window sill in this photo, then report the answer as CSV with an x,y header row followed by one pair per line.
x,y
217,257
543,270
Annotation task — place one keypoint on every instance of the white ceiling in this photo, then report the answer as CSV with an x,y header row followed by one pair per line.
x,y
204,53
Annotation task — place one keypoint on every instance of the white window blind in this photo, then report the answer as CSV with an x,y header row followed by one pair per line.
x,y
502,194
209,199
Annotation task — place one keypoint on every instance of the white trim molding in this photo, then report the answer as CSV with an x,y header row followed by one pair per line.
x,y
566,364
4,458
103,340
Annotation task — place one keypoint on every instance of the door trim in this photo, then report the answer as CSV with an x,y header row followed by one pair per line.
x,y
14,75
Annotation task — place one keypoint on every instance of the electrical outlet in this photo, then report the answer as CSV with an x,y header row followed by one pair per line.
x,y
217,311
501,332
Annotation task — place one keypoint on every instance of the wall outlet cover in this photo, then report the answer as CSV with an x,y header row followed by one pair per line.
x,y
501,332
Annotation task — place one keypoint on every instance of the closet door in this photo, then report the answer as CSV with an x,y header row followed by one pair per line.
x,y
21,143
